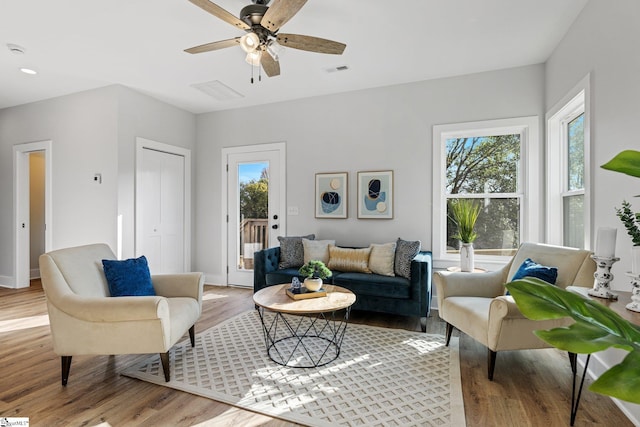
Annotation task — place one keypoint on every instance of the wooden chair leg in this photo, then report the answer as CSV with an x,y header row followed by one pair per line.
x,y
192,335
491,363
164,357
448,333
66,368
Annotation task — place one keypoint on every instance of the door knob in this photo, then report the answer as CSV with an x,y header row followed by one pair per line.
x,y
275,217
274,226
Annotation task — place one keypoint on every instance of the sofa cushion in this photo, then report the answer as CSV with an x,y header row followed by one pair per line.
x,y
373,284
316,250
130,277
530,268
292,251
349,259
382,259
405,252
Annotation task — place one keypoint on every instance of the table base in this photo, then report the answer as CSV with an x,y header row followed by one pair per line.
x,y
306,341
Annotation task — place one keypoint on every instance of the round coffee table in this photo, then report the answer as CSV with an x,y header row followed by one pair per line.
x,y
304,333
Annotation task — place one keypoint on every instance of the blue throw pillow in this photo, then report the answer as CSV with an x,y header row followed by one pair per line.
x,y
529,268
130,277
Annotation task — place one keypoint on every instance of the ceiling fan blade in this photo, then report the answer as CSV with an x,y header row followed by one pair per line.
x,y
280,12
214,46
311,44
270,66
219,12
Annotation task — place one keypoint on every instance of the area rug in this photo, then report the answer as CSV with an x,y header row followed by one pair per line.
x,y
382,377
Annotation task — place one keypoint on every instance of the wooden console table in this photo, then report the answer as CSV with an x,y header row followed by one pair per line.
x,y
619,306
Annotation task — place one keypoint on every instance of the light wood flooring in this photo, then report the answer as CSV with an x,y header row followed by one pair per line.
x,y
530,388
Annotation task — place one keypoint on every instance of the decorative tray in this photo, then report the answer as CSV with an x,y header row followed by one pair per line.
x,y
304,293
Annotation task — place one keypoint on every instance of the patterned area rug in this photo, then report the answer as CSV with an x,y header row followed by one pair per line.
x,y
382,377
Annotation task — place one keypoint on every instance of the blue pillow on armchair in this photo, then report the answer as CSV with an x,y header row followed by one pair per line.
x,y
529,268
130,277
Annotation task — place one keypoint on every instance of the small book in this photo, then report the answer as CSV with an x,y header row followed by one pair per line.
x,y
304,293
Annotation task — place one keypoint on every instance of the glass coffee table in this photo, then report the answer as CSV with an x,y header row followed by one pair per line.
x,y
304,333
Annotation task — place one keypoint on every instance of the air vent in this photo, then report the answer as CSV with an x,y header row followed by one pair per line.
x,y
15,49
218,90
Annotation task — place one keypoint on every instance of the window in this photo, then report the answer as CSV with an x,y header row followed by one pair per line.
x,y
493,163
567,178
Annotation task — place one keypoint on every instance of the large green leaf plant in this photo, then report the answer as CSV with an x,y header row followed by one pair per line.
x,y
596,328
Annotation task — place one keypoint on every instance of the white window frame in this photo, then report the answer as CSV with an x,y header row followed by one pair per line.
x,y
574,103
529,182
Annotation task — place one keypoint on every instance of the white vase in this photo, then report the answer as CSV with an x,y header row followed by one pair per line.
x,y
312,284
466,257
635,259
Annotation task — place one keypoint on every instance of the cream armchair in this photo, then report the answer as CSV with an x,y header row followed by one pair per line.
x,y
476,304
85,320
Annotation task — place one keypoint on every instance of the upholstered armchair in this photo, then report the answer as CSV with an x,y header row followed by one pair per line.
x,y
476,304
86,320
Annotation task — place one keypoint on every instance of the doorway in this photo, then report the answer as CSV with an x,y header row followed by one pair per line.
x,y
255,186
32,208
163,177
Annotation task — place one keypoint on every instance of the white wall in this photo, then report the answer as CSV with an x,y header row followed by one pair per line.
x,y
604,42
82,128
376,129
145,117
92,132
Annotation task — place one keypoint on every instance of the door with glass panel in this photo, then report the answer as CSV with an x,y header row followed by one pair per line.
x,y
255,209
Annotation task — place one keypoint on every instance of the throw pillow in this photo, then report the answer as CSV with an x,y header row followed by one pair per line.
x,y
382,259
406,251
291,251
316,250
347,259
130,277
530,268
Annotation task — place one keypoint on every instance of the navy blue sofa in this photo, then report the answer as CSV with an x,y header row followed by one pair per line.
x,y
385,294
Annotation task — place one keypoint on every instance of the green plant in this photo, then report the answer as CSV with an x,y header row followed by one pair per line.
x,y
465,212
631,221
315,269
596,328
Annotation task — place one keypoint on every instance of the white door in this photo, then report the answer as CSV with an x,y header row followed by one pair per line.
x,y
162,210
255,207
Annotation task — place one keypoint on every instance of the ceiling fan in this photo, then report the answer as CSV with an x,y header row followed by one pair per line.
x,y
262,41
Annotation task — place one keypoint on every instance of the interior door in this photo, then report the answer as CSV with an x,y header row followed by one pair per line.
x,y
254,209
162,211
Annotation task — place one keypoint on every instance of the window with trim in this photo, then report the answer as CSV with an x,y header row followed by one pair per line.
x,y
493,163
568,216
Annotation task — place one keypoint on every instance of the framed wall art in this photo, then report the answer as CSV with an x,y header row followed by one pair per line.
x,y
331,195
375,195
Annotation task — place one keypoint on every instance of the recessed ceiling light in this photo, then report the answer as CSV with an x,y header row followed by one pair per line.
x,y
28,71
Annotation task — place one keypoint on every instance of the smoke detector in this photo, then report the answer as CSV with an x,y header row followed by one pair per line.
x,y
15,49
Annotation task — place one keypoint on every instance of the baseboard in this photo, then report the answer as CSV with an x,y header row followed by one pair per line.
x,y
34,273
7,282
215,279
597,366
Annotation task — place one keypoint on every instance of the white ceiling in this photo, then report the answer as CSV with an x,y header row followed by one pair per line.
x,y
77,45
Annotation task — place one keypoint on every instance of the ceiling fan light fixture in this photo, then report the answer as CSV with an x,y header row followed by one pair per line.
x,y
249,42
253,58
274,49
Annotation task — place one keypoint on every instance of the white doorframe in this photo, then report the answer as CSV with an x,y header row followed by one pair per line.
x,y
21,194
280,147
141,144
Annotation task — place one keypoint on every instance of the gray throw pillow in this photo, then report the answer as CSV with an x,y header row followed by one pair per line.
x,y
292,251
405,252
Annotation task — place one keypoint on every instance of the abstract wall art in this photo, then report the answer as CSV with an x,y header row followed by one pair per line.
x,y
375,195
331,195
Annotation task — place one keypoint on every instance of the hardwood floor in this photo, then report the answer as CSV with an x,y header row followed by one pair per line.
x,y
530,388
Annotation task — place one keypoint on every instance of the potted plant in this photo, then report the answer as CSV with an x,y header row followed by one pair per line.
x,y
628,162
464,213
314,272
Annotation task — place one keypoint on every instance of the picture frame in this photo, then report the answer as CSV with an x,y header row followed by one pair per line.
x,y
375,194
331,195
